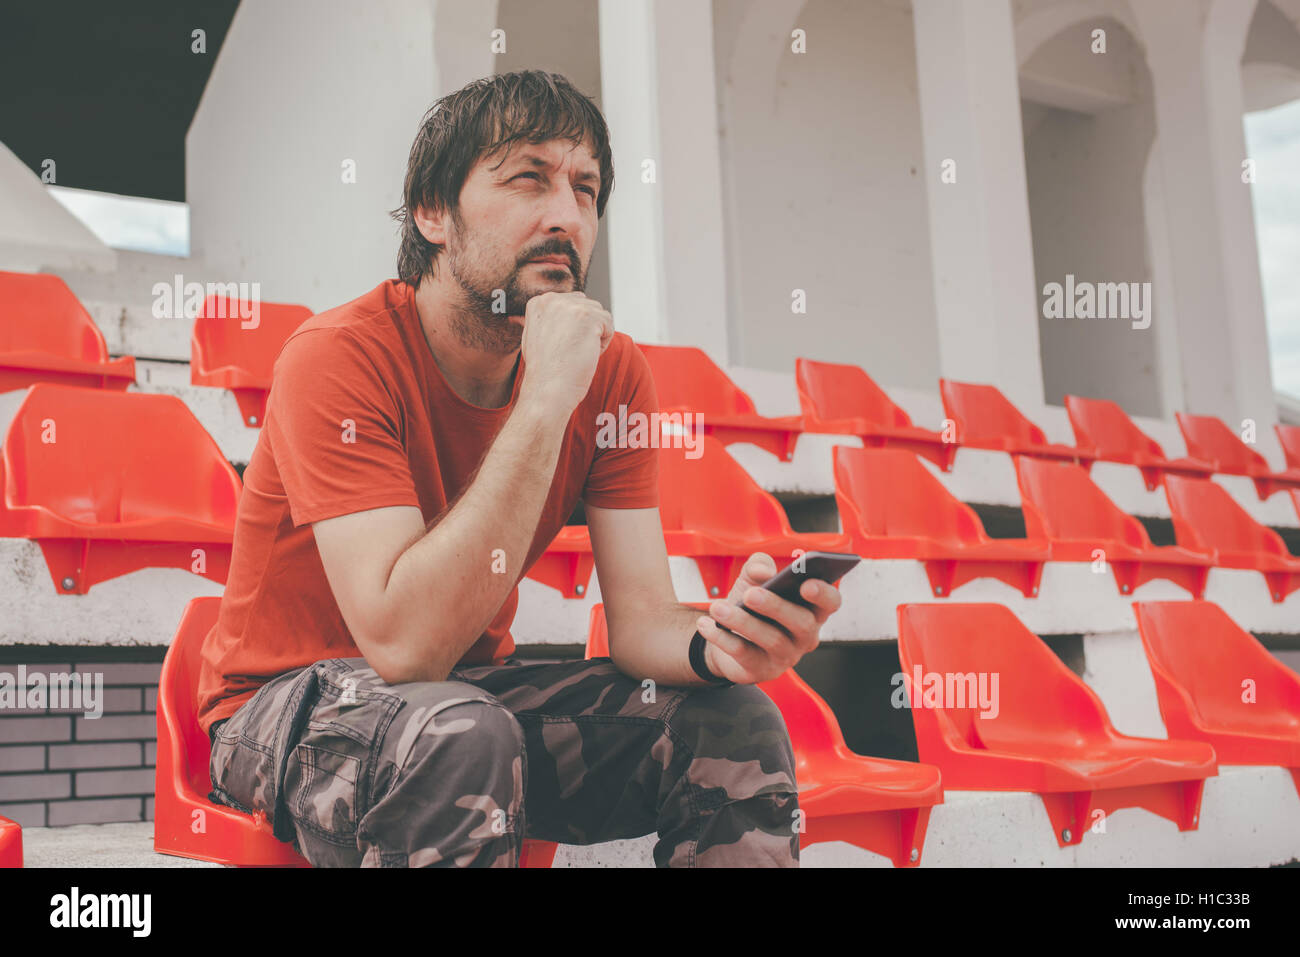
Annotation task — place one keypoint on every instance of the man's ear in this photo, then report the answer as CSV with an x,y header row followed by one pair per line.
x,y
431,224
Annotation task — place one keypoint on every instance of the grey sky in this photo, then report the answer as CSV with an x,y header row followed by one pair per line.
x,y
1273,141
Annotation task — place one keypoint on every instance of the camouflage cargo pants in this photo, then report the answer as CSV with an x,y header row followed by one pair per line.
x,y
358,772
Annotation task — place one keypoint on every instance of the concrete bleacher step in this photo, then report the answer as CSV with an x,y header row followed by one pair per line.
x,y
1250,817
122,303
144,607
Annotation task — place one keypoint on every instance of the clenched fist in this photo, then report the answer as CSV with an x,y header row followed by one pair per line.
x,y
565,334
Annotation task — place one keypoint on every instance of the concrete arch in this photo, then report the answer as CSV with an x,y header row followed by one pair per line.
x,y
1041,22
1089,132
461,52
758,40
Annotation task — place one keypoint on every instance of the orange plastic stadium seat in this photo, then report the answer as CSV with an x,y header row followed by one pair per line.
x,y
986,419
1044,731
111,482
1289,437
1077,519
567,563
891,506
226,355
713,511
186,823
1209,438
1102,425
1202,661
1206,519
687,380
878,804
843,399
11,843
46,335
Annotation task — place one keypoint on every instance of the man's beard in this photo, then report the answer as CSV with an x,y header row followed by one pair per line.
x,y
478,326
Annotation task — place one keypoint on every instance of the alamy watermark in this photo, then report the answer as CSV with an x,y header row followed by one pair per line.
x,y
1105,300
59,690
639,430
184,300
933,689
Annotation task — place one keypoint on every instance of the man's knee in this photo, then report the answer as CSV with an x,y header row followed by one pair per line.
x,y
456,722
452,781
739,740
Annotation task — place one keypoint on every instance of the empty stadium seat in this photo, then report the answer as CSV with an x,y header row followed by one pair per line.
x,y
1045,730
1206,519
1289,437
713,511
186,823
11,843
567,563
1064,507
1216,683
1210,439
891,506
878,804
226,355
111,482
46,335
687,380
1102,425
986,419
843,399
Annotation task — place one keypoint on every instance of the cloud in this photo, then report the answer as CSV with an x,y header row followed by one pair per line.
x,y
1273,141
129,222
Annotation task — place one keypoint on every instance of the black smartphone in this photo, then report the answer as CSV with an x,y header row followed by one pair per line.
x,y
829,567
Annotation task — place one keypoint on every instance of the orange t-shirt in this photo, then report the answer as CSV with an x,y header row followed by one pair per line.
x,y
416,442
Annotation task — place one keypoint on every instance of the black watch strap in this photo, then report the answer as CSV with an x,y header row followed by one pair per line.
x,y
700,666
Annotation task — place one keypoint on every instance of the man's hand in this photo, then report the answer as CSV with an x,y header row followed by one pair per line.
x,y
565,334
771,649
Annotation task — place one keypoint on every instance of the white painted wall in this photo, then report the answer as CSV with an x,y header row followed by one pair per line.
x,y
826,190
297,89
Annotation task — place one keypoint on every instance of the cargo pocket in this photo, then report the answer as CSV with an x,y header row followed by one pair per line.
x,y
326,753
322,780
240,771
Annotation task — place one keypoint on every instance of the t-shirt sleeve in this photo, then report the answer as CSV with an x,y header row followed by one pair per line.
x,y
627,477
335,429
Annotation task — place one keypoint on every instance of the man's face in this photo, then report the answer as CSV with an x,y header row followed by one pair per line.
x,y
539,202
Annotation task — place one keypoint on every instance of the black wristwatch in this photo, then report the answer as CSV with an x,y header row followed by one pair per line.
x,y
701,667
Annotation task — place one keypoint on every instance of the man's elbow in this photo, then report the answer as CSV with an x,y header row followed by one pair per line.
x,y
382,643
401,654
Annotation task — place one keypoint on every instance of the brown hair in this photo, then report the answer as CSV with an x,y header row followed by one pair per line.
x,y
475,121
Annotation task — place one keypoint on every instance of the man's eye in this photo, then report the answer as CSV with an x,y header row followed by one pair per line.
x,y
591,191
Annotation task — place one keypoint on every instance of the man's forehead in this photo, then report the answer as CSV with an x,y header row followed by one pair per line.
x,y
545,154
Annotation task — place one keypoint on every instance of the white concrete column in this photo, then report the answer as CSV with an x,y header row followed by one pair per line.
x,y
985,299
1194,54
666,244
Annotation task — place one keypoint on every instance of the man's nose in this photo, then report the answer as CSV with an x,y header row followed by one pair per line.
x,y
564,213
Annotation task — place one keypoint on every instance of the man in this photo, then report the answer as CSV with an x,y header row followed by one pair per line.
x,y
422,446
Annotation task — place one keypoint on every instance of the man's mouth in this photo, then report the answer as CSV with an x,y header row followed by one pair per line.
x,y
552,260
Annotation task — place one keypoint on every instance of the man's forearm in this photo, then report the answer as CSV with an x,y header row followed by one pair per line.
x,y
448,585
656,646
